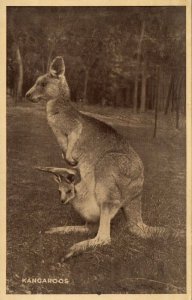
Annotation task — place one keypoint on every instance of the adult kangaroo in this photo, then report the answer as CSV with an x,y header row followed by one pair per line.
x,y
111,171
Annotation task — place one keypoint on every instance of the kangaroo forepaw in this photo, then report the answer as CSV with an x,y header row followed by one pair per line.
x,y
72,162
69,159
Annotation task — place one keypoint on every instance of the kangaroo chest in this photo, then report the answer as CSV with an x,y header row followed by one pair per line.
x,y
62,118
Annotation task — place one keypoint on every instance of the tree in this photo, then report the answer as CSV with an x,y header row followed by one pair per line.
x,y
143,88
109,53
138,62
20,73
156,100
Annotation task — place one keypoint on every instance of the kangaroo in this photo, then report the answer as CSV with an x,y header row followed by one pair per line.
x,y
112,173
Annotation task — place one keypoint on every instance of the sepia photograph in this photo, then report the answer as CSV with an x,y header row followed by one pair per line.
x,y
96,150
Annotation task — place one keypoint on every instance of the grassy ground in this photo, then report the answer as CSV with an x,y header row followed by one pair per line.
x,y
130,265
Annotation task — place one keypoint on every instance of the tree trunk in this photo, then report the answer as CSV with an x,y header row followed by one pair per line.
x,y
156,102
135,97
143,89
19,87
152,94
178,97
127,95
173,97
170,92
175,93
43,64
85,85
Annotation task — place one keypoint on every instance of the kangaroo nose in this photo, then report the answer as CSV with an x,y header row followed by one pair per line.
x,y
63,201
27,95
61,198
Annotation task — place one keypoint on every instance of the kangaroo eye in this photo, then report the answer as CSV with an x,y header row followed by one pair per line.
x,y
68,192
43,84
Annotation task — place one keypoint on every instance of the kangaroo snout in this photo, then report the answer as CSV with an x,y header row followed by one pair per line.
x,y
28,95
66,196
62,197
31,95
64,200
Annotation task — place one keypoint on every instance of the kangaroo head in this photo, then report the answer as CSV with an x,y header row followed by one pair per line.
x,y
66,179
50,85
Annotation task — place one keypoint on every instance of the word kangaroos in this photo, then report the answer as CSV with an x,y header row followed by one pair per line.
x,y
111,171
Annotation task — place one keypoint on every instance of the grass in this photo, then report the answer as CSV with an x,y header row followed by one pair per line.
x,y
129,265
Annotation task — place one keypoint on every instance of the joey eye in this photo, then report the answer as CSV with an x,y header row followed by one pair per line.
x,y
68,192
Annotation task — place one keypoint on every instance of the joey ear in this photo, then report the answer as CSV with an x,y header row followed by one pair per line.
x,y
57,178
69,175
57,67
73,178
70,178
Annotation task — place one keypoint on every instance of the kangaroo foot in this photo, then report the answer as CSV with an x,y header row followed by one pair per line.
x,y
84,245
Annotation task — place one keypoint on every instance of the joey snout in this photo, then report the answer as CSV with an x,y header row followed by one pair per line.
x,y
67,195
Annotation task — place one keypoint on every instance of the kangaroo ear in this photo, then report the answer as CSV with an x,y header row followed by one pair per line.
x,y
57,178
57,67
70,178
45,169
69,175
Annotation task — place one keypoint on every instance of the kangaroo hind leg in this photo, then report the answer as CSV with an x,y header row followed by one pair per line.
x,y
132,211
108,209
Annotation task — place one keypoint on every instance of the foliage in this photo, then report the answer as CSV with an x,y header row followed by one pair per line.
x,y
100,47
